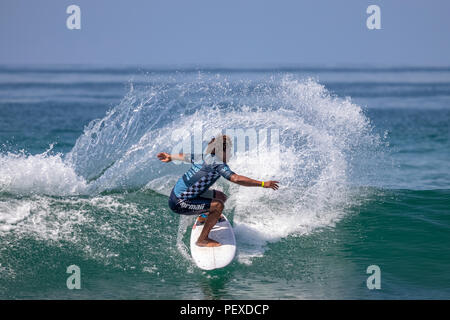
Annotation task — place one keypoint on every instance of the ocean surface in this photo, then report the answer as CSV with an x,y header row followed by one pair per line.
x,y
363,162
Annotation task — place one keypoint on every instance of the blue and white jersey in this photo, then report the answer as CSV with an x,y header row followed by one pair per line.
x,y
201,176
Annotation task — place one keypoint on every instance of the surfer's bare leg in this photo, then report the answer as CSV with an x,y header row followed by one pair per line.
x,y
220,196
214,214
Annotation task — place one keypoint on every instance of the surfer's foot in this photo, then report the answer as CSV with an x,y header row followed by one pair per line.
x,y
208,243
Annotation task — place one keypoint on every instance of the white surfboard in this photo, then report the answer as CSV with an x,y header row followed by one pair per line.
x,y
209,258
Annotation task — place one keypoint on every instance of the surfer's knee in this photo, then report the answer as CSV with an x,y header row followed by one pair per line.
x,y
217,205
220,196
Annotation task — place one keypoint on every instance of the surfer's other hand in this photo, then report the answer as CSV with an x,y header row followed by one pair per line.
x,y
164,157
271,184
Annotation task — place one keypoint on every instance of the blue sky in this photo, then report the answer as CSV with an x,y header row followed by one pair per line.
x,y
225,33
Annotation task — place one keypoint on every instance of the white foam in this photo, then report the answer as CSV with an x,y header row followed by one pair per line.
x,y
12,212
38,174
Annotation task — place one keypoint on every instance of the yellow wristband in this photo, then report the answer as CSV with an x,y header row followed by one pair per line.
x,y
262,184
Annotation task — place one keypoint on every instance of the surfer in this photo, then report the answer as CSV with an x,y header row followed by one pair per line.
x,y
191,194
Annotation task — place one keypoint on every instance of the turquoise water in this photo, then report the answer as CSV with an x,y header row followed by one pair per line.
x,y
363,169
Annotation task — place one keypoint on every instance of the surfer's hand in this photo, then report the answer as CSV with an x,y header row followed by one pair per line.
x,y
164,157
271,184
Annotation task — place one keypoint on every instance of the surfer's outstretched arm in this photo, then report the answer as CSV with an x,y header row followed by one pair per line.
x,y
165,157
248,182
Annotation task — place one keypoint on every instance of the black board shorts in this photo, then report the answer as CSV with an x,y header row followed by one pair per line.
x,y
194,206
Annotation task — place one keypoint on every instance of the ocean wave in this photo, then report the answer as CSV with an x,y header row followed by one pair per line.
x,y
321,138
